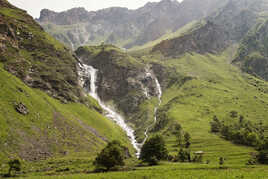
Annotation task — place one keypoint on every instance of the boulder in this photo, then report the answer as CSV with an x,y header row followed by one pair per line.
x,y
22,109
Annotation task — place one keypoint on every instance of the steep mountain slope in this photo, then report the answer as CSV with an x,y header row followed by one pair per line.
x,y
195,72
227,26
197,79
123,82
123,27
40,113
206,84
252,53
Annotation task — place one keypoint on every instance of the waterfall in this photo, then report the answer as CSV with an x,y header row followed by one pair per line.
x,y
159,92
89,71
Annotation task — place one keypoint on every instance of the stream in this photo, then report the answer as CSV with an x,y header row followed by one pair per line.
x,y
86,72
89,71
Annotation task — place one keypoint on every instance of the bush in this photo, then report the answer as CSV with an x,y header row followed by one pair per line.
x,y
198,158
221,161
112,155
187,140
262,156
183,156
154,150
215,125
240,132
14,166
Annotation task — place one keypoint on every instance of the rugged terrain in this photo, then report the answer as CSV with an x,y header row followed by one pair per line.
x,y
121,26
215,66
44,113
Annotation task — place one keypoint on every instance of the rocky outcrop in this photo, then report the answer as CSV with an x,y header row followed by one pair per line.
x,y
121,78
123,83
35,57
210,38
252,54
21,108
224,27
124,27
73,16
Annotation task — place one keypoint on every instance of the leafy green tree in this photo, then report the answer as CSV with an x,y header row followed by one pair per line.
x,y
184,155
262,155
112,155
14,166
215,125
221,161
187,140
154,150
234,114
241,119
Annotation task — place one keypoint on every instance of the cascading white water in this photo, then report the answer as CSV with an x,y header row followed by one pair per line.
x,y
159,91
89,71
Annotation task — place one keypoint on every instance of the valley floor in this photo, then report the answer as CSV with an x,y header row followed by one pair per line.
x,y
178,171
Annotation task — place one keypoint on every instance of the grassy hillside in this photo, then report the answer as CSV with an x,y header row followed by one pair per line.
x,y
204,86
44,114
179,171
35,57
50,128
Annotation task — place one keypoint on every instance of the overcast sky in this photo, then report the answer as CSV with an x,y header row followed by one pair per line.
x,y
34,6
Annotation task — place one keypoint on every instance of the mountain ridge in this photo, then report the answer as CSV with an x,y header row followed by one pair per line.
x,y
121,26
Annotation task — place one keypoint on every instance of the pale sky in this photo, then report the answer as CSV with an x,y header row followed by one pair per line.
x,y
33,7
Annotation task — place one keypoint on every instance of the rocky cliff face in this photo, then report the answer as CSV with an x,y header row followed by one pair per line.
x,y
252,54
123,27
35,57
123,82
121,78
226,26
210,38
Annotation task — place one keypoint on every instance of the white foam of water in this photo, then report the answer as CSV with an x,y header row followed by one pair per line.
x,y
159,91
89,71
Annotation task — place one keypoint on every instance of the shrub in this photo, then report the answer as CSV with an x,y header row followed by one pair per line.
x,y
14,166
187,140
154,150
112,155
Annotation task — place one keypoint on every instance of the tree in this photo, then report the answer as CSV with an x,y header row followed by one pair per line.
x,y
187,140
179,137
14,165
241,119
234,114
262,157
184,155
154,150
215,125
221,161
112,155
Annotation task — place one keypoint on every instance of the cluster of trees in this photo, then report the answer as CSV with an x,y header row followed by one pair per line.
x,y
183,138
240,132
245,133
113,155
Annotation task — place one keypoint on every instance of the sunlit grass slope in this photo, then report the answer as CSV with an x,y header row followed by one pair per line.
x,y
51,128
208,85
